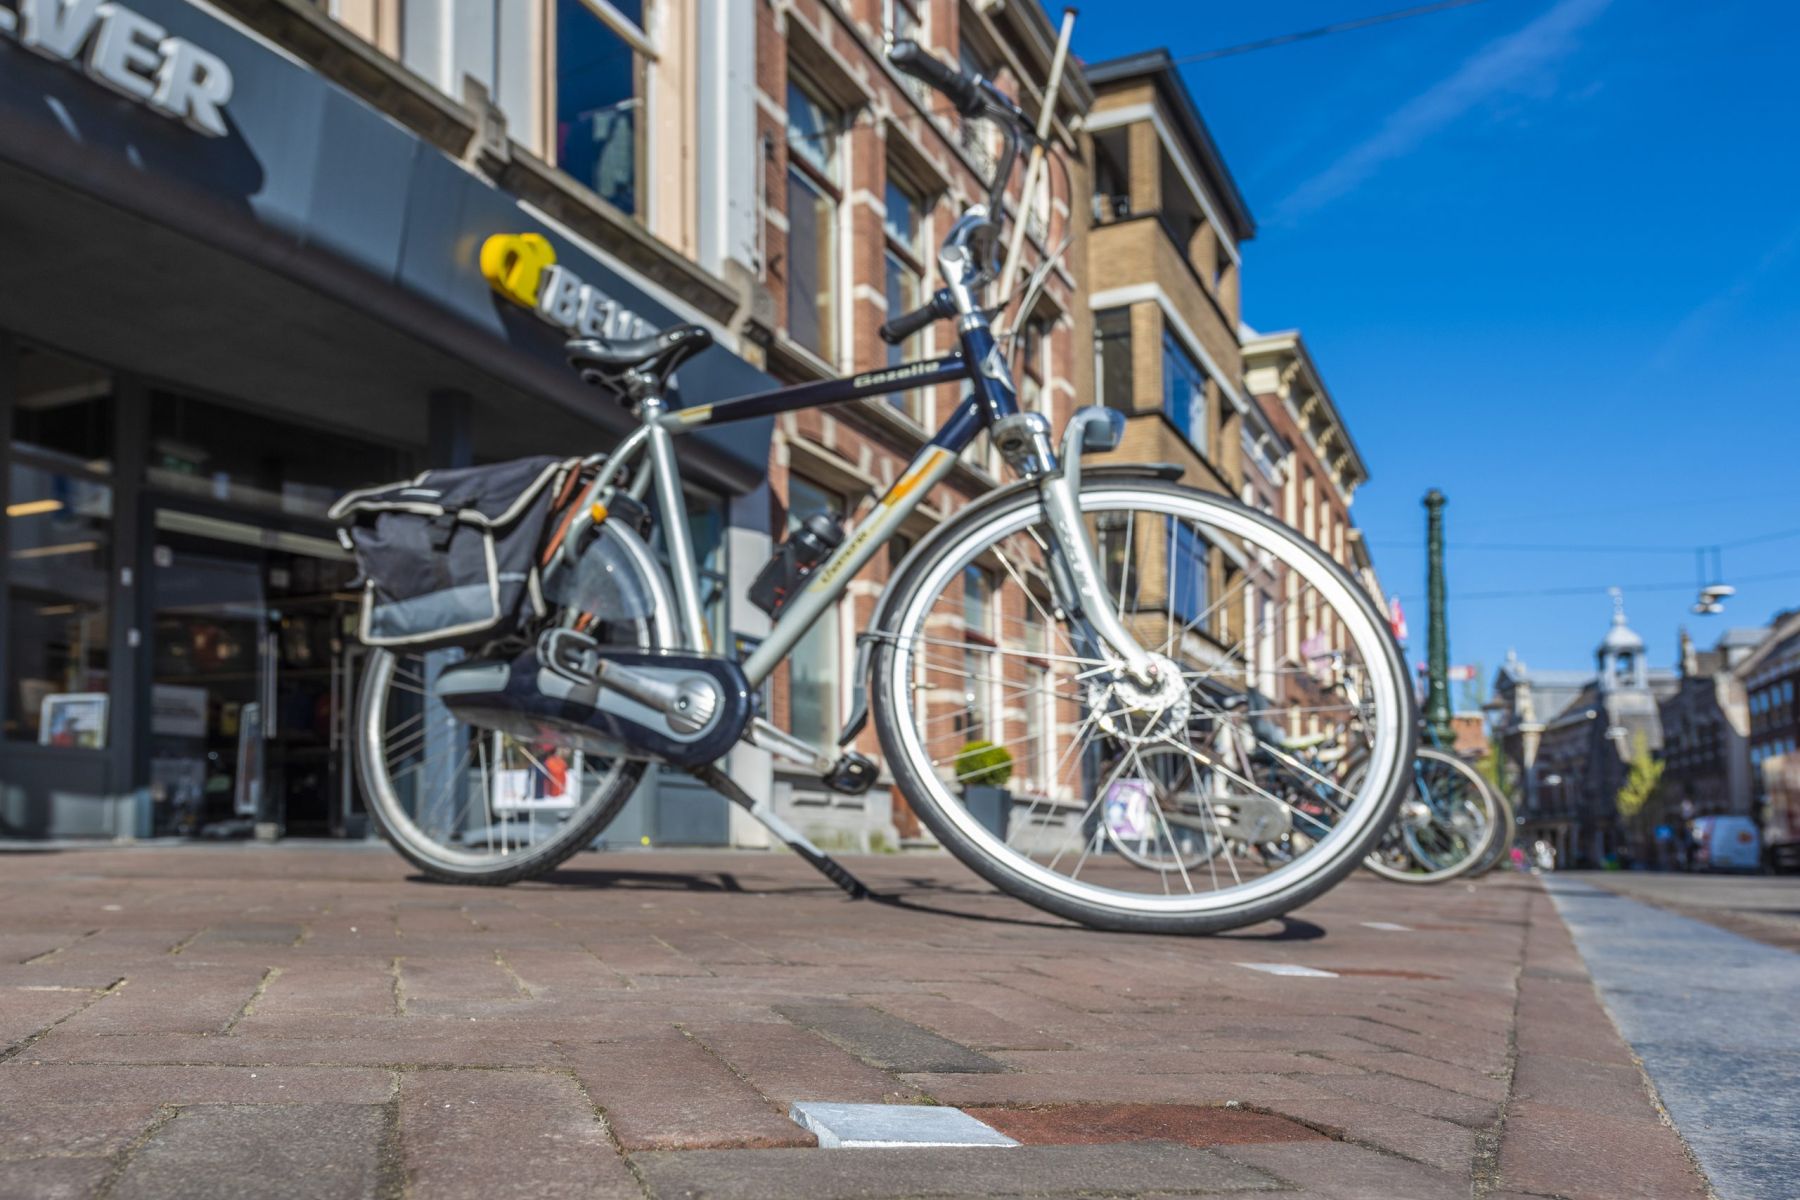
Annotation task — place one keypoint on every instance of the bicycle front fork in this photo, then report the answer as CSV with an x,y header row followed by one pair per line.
x,y
1024,440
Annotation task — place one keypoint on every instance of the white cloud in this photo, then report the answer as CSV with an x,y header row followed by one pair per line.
x,y
1504,64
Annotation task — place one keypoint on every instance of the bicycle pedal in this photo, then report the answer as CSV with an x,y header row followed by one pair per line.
x,y
853,774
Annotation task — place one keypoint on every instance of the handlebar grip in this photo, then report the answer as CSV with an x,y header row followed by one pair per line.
x,y
906,324
961,87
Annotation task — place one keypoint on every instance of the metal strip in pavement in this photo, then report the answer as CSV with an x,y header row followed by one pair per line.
x,y
1712,1016
885,1126
1387,926
1290,969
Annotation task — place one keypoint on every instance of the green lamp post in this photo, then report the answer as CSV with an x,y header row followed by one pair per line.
x,y
1437,670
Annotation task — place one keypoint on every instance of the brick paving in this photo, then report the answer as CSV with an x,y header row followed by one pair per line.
x,y
313,1021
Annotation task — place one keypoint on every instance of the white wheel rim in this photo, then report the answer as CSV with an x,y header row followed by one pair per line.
x,y
1385,744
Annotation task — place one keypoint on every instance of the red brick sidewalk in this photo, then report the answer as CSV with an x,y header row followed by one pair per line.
x,y
242,1021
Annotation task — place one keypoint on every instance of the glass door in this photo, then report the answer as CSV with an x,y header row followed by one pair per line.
x,y
249,687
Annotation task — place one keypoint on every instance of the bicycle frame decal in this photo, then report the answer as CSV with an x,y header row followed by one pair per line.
x,y
925,373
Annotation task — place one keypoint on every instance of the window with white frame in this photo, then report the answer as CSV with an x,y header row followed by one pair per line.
x,y
600,90
979,673
981,138
903,266
814,190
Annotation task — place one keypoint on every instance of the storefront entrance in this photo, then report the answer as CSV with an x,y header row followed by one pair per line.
x,y
252,681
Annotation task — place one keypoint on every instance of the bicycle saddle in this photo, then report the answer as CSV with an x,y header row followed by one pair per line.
x,y
604,360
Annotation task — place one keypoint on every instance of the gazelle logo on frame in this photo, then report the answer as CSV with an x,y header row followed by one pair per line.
x,y
522,267
127,53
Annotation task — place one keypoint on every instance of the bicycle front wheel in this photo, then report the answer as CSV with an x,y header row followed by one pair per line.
x,y
1259,637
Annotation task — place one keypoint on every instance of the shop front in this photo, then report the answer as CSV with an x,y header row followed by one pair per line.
x,y
229,291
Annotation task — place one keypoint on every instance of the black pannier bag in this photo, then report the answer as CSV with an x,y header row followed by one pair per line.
x,y
451,558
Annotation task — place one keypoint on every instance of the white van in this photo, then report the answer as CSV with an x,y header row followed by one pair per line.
x,y
1726,844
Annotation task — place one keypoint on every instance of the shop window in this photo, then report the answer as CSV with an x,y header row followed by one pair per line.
x,y
815,666
220,453
814,190
1112,358
600,97
59,537
1184,392
905,291
64,407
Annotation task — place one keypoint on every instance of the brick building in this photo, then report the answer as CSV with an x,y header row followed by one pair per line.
x,y
1769,677
862,172
1322,471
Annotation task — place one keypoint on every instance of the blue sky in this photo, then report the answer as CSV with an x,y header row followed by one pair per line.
x,y
1547,256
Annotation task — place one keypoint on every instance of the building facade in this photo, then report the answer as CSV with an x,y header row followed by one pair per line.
x,y
248,275
1706,727
1571,738
1322,468
1768,677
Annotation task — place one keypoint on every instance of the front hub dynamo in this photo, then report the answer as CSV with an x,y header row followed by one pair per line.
x,y
1136,713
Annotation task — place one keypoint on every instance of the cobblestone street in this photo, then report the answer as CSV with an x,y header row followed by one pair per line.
x,y
305,1021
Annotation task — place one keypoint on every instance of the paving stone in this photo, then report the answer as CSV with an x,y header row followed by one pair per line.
x,y
1020,1088
1146,1167
1426,1070
666,1091
23,1083
1334,1171
1582,1155
480,1134
1110,1124
886,1041
52,1178
71,1129
1437,1143
172,997
1602,1088
459,1046
877,1126
787,1063
1418,1097
332,1152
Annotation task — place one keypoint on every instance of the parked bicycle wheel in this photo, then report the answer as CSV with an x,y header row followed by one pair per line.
x,y
979,651
1502,846
467,804
1448,820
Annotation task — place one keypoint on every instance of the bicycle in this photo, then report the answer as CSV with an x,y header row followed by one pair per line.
x,y
1096,607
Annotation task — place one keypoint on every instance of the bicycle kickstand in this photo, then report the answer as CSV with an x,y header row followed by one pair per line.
x,y
826,865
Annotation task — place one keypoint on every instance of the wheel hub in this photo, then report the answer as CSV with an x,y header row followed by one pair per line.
x,y
1139,713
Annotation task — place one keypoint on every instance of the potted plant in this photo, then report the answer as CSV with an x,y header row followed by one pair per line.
x,y
983,769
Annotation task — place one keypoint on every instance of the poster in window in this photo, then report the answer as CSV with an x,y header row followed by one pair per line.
x,y
246,798
73,719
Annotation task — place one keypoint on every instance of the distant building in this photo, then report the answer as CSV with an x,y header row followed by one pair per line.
x,y
1769,677
1318,480
1706,726
1469,735
1571,736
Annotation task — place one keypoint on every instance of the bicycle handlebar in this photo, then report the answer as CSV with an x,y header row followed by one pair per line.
x,y
963,89
897,330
